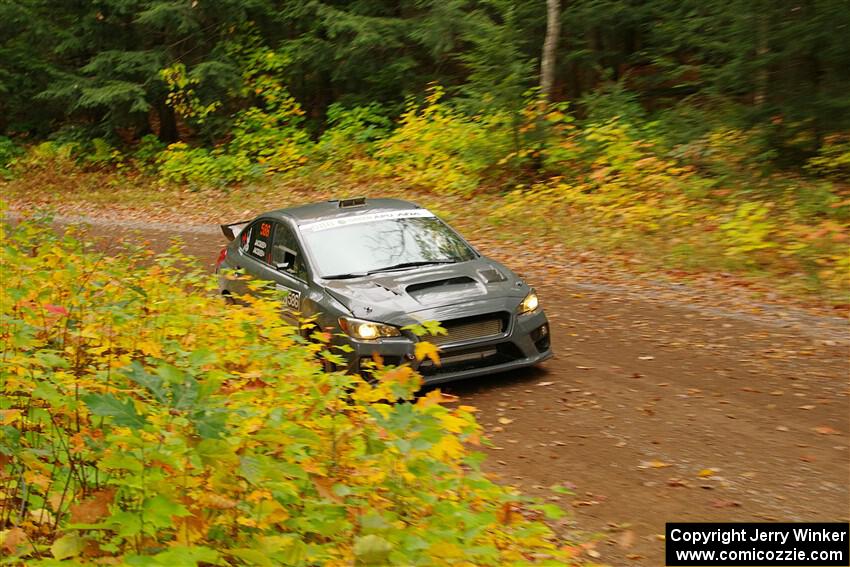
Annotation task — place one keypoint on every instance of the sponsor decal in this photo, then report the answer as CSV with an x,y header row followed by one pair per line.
x,y
361,219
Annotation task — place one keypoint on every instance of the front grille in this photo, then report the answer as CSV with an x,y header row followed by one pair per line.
x,y
470,328
470,359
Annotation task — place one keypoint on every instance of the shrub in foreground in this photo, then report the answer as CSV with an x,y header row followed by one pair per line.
x,y
144,423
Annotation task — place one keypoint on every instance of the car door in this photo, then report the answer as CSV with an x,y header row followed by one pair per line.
x,y
242,263
256,254
290,272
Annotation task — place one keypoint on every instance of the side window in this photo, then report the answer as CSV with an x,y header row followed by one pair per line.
x,y
245,238
259,241
287,250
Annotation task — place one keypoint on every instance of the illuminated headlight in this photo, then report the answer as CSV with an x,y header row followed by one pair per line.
x,y
366,330
529,304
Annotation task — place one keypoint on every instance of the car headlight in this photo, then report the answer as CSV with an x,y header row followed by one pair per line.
x,y
366,330
529,304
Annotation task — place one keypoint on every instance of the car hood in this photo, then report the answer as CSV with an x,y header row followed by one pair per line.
x,y
437,292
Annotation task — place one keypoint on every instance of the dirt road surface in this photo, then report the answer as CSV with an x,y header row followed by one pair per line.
x,y
657,407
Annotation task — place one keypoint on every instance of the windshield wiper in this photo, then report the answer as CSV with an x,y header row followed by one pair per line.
x,y
401,266
410,265
345,276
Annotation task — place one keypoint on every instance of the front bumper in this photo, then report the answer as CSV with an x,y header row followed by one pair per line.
x,y
524,343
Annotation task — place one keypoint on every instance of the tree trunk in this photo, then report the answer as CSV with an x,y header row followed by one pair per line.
x,y
761,78
550,48
167,124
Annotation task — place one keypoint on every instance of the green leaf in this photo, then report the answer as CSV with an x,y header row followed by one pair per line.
x,y
372,550
122,414
211,424
127,524
202,357
171,374
48,392
293,554
373,522
158,511
52,360
182,556
184,395
120,461
187,556
252,557
551,511
67,546
150,382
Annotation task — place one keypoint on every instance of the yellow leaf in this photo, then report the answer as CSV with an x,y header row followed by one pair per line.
x,y
447,447
67,546
9,416
445,550
453,423
653,464
424,349
271,512
434,397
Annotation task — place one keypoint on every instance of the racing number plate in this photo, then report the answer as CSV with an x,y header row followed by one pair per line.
x,y
292,299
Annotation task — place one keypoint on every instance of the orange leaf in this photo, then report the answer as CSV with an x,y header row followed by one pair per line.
x,y
12,538
191,528
94,508
505,513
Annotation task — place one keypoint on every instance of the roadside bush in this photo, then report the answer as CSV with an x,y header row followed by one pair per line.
x,y
833,159
144,423
618,188
264,138
91,154
198,167
352,132
273,140
440,148
52,155
147,151
9,152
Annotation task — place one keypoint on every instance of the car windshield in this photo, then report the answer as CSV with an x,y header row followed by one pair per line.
x,y
358,248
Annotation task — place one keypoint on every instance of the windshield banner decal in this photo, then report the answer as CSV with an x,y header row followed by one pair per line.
x,y
360,219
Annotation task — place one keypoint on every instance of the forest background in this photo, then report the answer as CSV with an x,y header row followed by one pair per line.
x,y
693,134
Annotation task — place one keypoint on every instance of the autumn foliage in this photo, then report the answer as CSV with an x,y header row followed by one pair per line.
x,y
142,422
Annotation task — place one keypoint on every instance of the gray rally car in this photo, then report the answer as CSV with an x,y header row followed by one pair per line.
x,y
366,269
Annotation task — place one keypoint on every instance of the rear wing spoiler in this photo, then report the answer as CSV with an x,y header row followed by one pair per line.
x,y
231,230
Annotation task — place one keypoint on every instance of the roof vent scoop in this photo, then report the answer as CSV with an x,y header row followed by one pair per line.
x,y
348,203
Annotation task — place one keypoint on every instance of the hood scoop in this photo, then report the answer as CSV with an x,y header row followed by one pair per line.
x,y
445,290
492,275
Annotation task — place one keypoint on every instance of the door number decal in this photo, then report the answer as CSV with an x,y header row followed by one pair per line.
x,y
292,300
